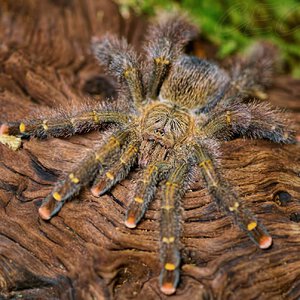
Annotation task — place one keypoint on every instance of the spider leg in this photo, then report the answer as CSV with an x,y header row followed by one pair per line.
x,y
106,179
254,120
122,61
251,74
173,191
82,175
228,199
144,192
62,125
165,43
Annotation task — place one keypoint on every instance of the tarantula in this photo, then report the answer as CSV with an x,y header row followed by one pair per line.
x,y
176,110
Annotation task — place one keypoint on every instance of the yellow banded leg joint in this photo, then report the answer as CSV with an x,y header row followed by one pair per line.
x,y
56,196
99,158
168,240
251,225
128,72
205,163
95,117
152,169
114,141
138,199
228,117
22,127
73,178
45,125
109,175
170,267
234,207
162,60
167,207
171,184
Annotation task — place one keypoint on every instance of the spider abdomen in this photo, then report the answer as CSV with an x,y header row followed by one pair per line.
x,y
193,82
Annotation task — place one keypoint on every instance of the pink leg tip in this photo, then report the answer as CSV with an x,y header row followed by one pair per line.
x,y
265,242
44,213
130,222
4,129
168,288
95,190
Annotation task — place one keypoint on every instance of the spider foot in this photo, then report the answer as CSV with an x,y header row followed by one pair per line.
x,y
249,223
265,242
118,171
50,207
144,193
169,280
55,201
170,274
130,221
259,235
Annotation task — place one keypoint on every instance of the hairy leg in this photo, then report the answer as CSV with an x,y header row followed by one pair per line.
x,y
62,125
164,46
253,73
122,61
227,198
83,174
254,120
106,179
144,192
173,191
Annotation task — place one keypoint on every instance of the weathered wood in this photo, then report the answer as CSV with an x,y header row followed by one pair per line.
x,y
86,252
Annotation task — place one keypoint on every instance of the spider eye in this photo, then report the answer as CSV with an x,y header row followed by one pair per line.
x,y
160,131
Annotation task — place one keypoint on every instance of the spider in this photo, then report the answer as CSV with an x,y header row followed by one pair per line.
x,y
173,112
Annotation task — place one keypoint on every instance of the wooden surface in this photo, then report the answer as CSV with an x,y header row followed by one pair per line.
x,y
86,252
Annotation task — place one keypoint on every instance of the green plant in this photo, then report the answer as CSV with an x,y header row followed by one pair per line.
x,y
233,25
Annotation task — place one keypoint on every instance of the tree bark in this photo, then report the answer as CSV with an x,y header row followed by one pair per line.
x,y
86,252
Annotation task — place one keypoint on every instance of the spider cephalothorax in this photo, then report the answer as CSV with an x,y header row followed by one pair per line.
x,y
176,110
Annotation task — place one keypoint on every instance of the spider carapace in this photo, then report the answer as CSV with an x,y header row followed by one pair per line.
x,y
172,113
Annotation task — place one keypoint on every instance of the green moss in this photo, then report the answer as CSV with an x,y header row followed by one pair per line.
x,y
233,25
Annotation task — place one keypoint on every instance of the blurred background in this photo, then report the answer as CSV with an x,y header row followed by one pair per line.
x,y
233,25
